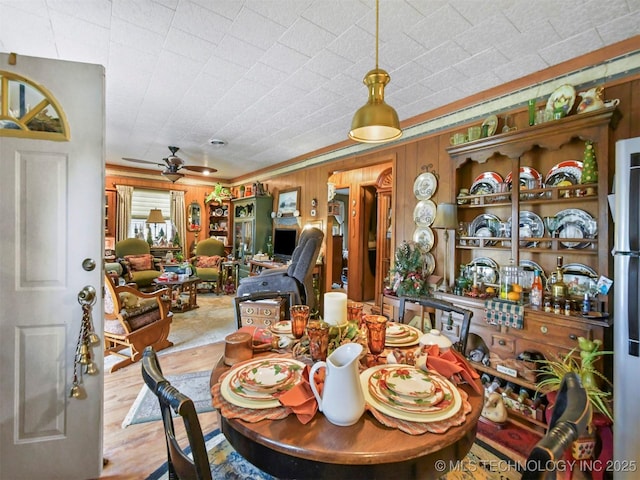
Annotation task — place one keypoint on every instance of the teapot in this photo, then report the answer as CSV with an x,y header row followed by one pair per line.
x,y
592,100
342,400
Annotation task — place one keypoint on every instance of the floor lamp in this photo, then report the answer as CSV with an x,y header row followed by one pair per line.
x,y
446,219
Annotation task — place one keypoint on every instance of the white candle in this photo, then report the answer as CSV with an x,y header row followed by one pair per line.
x,y
335,308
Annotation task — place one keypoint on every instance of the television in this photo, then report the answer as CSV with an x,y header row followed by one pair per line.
x,y
284,242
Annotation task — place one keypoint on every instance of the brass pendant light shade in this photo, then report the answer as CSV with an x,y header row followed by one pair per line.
x,y
375,122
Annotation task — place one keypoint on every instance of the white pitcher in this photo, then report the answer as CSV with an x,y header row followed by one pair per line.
x,y
342,400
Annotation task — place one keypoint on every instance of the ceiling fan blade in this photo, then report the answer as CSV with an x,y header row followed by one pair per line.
x,y
137,160
197,168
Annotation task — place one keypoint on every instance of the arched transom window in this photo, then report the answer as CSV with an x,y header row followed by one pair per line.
x,y
29,110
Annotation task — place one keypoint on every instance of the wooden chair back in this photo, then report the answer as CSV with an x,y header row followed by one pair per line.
x,y
180,466
440,308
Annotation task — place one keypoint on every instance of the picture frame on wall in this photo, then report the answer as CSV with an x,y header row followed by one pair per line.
x,y
288,201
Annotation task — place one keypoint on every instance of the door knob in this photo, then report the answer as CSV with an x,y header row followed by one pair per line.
x,y
87,296
89,264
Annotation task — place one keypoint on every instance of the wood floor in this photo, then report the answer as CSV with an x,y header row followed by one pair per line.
x,y
135,452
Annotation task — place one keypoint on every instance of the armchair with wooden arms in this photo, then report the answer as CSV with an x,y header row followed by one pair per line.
x,y
207,262
134,320
139,266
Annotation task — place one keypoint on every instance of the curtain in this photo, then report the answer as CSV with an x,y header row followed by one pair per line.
x,y
178,215
123,211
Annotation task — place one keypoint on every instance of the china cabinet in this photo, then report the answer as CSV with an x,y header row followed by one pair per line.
x,y
251,227
110,213
539,165
220,221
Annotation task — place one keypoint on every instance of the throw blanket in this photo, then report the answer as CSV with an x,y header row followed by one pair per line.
x,y
503,313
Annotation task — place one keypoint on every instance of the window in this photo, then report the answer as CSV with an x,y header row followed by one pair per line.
x,y
142,202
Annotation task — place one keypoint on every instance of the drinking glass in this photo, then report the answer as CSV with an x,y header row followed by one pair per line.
x,y
299,319
591,229
376,333
552,225
354,312
318,333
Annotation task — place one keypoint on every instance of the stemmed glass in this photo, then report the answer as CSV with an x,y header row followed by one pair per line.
x,y
552,225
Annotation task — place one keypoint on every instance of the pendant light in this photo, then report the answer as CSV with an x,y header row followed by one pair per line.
x,y
375,122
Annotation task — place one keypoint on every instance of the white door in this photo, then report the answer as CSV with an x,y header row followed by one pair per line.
x,y
51,219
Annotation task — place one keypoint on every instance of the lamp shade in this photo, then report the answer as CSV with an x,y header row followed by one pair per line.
x,y
155,216
173,176
446,216
375,122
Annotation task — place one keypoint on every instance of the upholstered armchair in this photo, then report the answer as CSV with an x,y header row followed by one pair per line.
x,y
138,263
134,320
296,277
207,261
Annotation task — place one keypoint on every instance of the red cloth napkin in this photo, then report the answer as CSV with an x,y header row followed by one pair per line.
x,y
450,363
301,400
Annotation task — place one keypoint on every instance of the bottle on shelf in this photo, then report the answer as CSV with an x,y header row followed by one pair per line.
x,y
559,289
536,290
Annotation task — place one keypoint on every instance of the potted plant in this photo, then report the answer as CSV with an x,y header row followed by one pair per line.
x,y
553,371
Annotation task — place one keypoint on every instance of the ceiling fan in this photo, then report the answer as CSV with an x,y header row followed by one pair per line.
x,y
173,164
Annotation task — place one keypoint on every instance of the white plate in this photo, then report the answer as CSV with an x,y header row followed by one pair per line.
x,y
414,339
485,225
430,263
231,397
425,186
573,223
424,236
564,97
530,226
412,417
425,213
282,327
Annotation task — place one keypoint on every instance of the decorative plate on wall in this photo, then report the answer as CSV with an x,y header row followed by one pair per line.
x,y
425,186
425,213
424,236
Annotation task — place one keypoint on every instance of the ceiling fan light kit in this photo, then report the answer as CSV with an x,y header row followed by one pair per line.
x,y
376,121
173,164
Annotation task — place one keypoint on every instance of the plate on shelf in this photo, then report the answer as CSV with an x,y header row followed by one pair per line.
x,y
564,174
578,277
424,236
563,97
485,225
218,212
576,223
492,122
528,272
487,269
486,183
530,226
425,186
526,173
425,213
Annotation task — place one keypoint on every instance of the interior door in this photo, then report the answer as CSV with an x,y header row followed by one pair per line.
x,y
52,219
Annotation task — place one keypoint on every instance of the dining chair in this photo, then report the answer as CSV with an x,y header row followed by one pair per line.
x,y
571,415
440,308
179,465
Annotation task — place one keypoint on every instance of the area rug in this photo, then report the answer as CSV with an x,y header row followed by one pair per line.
x,y
210,323
515,441
481,463
145,408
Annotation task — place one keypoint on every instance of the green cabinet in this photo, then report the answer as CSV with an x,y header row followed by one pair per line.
x,y
251,225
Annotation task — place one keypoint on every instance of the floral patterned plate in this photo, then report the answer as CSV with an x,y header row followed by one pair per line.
x,y
425,213
564,174
486,183
424,236
425,186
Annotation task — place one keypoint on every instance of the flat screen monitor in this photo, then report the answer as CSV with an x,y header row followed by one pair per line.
x,y
284,242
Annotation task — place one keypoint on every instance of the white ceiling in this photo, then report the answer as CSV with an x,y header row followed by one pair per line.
x,y
277,79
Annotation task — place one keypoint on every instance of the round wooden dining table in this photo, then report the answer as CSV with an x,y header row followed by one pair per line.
x,y
288,449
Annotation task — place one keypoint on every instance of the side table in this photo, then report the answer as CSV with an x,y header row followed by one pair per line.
x,y
179,289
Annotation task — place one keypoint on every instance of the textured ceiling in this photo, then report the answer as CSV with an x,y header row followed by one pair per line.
x,y
277,79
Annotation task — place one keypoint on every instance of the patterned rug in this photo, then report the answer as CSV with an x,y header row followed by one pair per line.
x,y
514,441
210,323
145,408
481,463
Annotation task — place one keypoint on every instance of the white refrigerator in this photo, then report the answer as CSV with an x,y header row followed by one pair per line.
x,y
626,324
